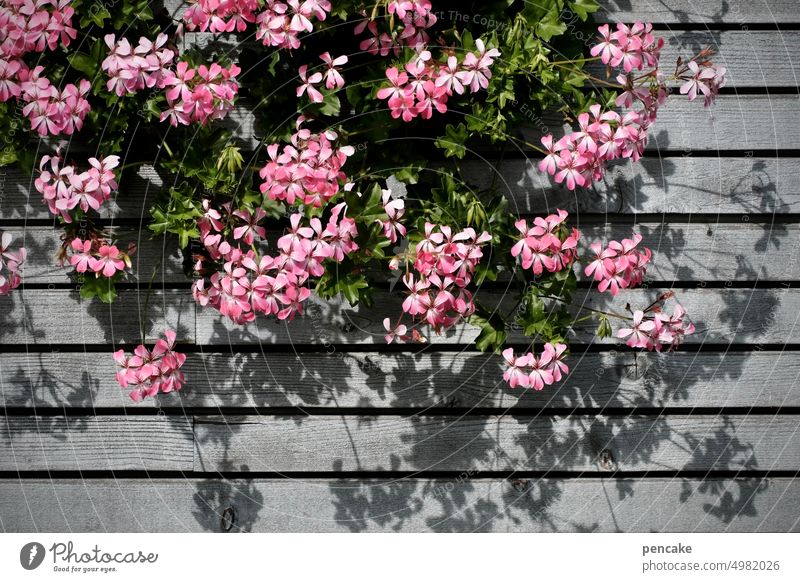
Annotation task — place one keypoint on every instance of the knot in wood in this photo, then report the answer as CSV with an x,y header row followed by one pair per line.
x,y
228,518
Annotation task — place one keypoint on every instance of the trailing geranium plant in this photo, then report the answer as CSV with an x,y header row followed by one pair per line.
x,y
375,92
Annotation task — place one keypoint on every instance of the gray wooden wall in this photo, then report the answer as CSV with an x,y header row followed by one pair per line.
x,y
316,426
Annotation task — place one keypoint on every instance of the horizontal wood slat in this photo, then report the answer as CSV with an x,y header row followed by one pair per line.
x,y
95,443
699,250
686,185
408,505
757,59
729,316
155,258
691,11
427,380
491,443
735,122
44,317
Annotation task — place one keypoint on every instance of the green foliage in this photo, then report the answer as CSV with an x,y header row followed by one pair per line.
x,y
541,69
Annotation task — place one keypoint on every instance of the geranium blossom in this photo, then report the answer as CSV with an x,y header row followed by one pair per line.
x,y
621,265
657,330
309,171
148,372
241,283
444,264
535,371
10,264
64,188
547,245
581,157
427,83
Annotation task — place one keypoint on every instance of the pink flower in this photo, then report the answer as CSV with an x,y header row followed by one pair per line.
x,y
396,333
308,85
516,374
10,264
108,262
333,78
638,335
146,373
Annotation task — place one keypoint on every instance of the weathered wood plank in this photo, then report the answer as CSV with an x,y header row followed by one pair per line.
x,y
752,58
652,185
156,258
96,443
492,443
34,316
20,200
704,251
408,505
735,122
690,11
766,316
427,380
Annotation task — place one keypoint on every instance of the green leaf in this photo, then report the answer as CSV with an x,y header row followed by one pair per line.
x,y
83,63
583,8
550,26
99,287
493,334
331,105
453,141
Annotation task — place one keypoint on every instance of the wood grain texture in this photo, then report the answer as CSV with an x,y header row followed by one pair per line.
x,y
700,249
735,122
728,316
400,381
60,316
155,258
95,443
687,185
408,505
492,443
693,12
752,58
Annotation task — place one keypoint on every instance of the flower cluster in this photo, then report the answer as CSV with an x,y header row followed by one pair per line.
x,y
197,95
64,188
194,95
244,283
50,111
133,69
621,265
528,370
308,171
658,330
279,22
95,255
148,372
28,26
701,76
332,77
10,264
426,84
395,208
437,291
581,156
415,17
33,26
546,246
